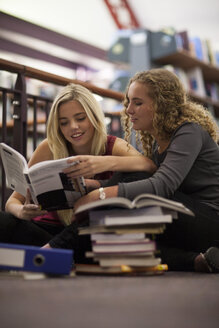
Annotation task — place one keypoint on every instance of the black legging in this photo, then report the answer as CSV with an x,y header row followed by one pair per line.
x,y
23,232
17,231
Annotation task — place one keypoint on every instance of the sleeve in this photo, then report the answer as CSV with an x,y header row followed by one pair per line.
x,y
181,154
104,183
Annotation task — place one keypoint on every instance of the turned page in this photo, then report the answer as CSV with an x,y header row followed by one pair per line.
x,y
14,165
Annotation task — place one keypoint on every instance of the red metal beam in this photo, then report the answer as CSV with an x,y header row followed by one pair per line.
x,y
122,14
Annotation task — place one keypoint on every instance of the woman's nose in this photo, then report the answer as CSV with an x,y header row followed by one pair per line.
x,y
74,124
129,109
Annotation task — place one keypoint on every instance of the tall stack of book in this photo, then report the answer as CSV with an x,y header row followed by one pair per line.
x,y
122,234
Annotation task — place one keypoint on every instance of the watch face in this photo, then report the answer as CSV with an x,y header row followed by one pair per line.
x,y
102,193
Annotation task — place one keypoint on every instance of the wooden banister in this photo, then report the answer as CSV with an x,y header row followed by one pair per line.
x,y
56,79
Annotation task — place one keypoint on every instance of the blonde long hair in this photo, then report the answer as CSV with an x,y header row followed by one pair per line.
x,y
171,108
59,146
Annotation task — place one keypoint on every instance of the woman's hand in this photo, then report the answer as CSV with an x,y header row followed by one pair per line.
x,y
47,246
29,210
95,195
87,166
92,184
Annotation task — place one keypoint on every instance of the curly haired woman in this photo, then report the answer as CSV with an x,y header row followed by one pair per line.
x,y
180,136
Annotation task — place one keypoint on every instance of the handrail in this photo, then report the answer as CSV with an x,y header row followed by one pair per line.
x,y
56,79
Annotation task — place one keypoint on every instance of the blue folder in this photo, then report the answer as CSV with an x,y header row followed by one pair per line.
x,y
31,258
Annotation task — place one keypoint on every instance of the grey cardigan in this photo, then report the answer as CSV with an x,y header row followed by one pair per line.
x,y
190,164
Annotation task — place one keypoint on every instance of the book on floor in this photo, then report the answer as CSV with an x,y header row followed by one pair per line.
x,y
154,228
122,270
48,185
136,261
126,246
115,217
111,237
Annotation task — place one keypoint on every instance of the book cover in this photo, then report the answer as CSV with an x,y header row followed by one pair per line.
x,y
196,81
155,228
196,45
118,217
182,40
111,237
126,247
136,261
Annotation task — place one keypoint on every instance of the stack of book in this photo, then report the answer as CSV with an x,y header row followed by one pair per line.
x,y
122,234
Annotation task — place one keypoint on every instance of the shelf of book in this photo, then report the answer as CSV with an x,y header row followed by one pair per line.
x,y
206,72
186,61
205,100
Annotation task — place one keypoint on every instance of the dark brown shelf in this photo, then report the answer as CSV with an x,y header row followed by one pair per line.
x,y
205,100
184,60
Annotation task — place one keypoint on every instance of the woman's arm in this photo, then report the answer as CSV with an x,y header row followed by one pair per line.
x,y
69,236
20,206
124,158
95,195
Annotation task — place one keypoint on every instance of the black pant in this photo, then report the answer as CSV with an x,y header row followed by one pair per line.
x,y
187,236
23,232
17,231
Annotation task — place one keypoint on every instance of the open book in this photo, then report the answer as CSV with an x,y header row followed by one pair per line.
x,y
48,185
141,201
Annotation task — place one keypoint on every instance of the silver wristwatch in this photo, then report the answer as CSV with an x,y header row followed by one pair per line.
x,y
102,193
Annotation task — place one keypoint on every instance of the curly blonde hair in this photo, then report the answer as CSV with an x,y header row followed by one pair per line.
x,y
59,146
171,106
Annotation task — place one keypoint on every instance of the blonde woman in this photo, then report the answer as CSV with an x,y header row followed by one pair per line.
x,y
181,137
75,127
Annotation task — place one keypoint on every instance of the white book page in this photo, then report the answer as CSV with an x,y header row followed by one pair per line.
x,y
150,199
14,166
139,200
46,176
119,202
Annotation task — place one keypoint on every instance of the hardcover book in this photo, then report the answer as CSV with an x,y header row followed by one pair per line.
x,y
146,245
111,237
154,228
123,270
135,261
115,217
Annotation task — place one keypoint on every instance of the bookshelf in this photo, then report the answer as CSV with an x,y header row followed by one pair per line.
x,y
194,60
184,60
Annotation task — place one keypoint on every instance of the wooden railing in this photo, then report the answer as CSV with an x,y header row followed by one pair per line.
x,y
16,130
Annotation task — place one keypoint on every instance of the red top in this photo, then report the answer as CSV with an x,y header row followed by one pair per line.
x,y
52,217
109,149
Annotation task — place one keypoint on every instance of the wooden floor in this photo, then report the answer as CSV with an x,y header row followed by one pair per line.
x,y
173,300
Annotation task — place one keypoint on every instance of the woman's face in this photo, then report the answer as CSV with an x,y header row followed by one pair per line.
x,y
140,107
76,127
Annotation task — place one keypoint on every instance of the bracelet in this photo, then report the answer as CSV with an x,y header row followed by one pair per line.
x,y
102,193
